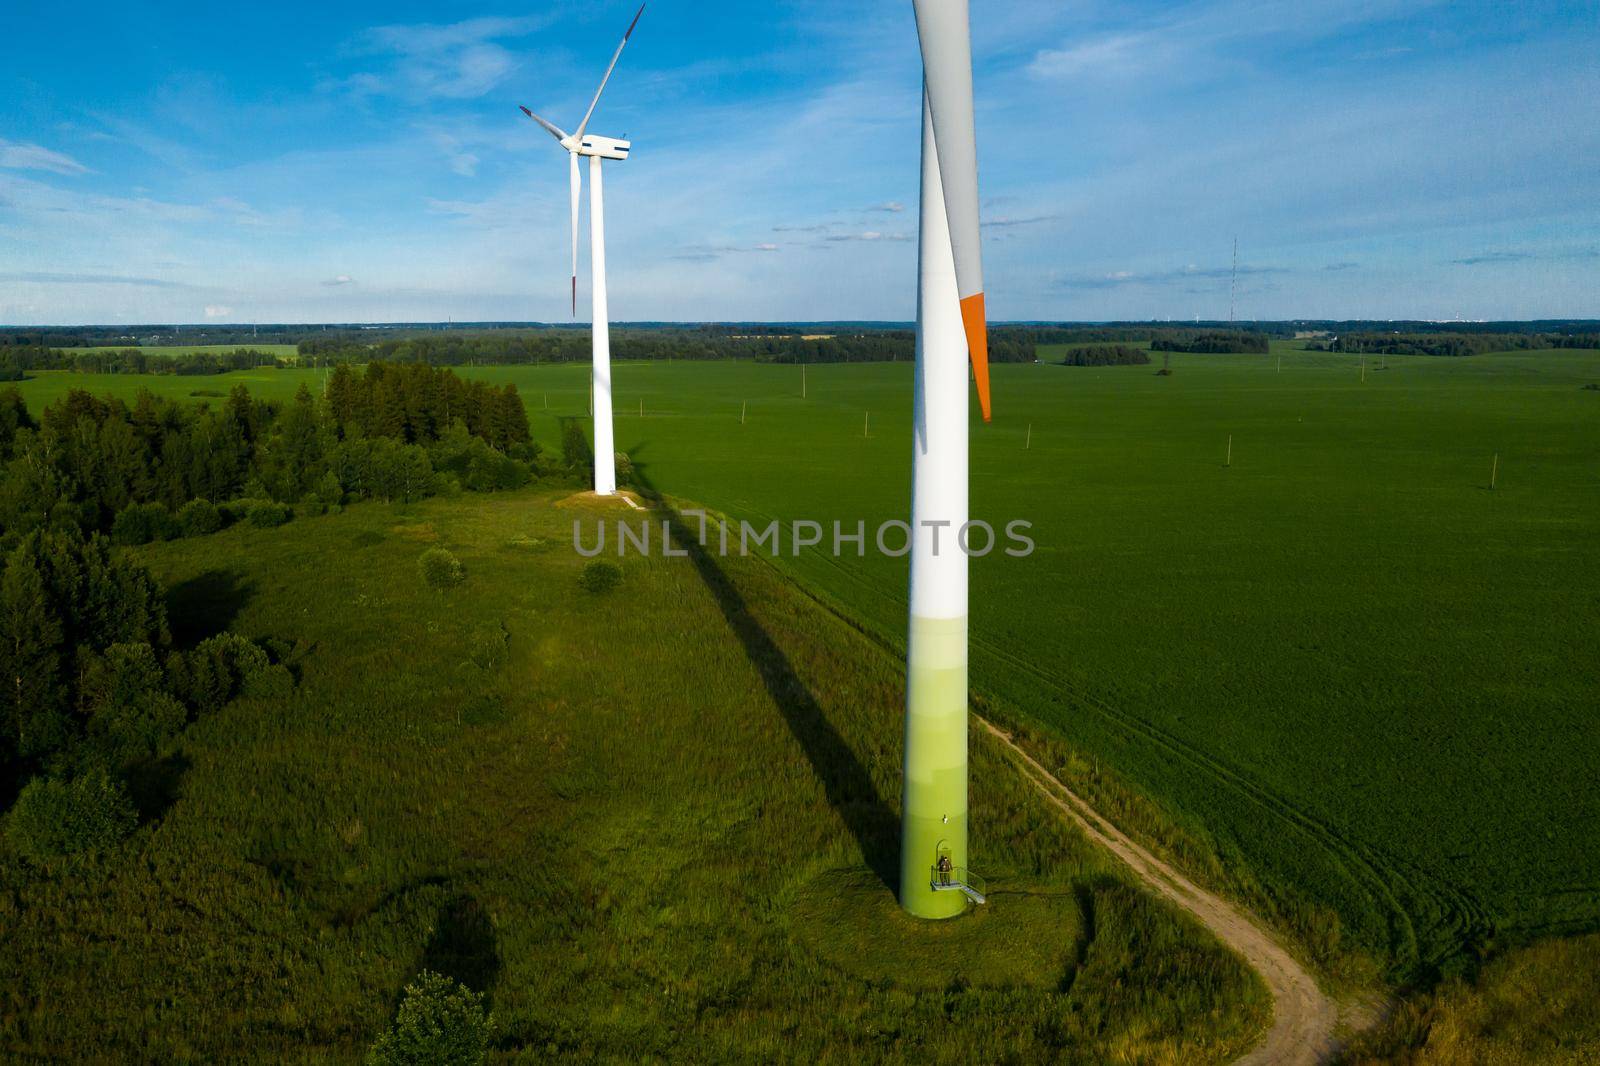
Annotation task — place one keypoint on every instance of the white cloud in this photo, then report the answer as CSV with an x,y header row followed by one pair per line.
x,y
1205,39
869,235
1117,56
458,61
17,156
342,279
458,158
218,311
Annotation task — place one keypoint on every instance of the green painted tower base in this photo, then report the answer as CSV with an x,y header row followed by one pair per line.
x,y
934,806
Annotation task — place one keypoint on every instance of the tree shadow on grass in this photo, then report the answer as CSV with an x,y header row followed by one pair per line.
x,y
845,779
154,785
206,604
463,945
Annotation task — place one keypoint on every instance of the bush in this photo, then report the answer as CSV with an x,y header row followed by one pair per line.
x,y
440,569
272,683
141,523
269,515
199,517
439,1022
53,817
238,510
493,472
124,692
329,491
217,670
599,577
310,506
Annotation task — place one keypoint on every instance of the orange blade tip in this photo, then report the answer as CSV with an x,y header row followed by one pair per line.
x,y
976,325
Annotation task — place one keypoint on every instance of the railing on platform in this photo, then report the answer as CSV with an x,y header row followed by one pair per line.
x,y
959,879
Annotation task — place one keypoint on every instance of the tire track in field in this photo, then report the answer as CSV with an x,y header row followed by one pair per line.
x,y
1455,916
1304,1030
1460,916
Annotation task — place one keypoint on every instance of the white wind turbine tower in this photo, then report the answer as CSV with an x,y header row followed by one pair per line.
x,y
596,148
951,327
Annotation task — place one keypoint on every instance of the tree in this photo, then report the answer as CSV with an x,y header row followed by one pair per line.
x,y
63,595
295,450
575,450
124,697
198,517
31,642
343,397
52,817
14,418
439,1022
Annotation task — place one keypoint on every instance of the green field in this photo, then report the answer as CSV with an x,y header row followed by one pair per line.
x,y
1353,677
653,825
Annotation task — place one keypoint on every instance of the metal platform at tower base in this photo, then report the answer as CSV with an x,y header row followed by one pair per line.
x,y
960,879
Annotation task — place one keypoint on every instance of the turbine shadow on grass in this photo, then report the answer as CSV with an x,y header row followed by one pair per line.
x,y
206,604
463,945
844,778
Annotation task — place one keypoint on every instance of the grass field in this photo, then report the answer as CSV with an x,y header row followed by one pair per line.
x,y
1353,676
653,825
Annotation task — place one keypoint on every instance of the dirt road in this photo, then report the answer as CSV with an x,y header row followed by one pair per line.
x,y
1304,1020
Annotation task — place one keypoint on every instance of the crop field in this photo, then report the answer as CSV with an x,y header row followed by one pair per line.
x,y
1353,678
652,824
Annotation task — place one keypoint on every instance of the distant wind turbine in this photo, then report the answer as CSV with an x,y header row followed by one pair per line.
x,y
951,327
596,148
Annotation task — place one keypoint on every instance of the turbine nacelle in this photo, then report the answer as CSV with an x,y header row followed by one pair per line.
x,y
595,145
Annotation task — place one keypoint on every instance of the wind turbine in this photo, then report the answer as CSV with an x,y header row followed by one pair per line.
x,y
583,143
951,327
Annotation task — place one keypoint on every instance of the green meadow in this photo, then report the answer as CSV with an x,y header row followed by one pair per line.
x,y
1340,676
651,824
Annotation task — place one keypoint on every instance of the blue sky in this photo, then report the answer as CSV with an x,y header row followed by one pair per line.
x,y
365,162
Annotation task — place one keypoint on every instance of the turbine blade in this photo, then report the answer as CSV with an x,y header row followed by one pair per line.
x,y
945,35
577,193
615,56
554,130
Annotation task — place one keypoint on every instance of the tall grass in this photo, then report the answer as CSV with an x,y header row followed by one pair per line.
x,y
648,824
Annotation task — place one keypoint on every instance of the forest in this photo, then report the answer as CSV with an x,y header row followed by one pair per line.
x,y
1212,343
97,683
160,468
25,351
17,360
1106,355
1451,344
